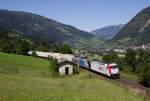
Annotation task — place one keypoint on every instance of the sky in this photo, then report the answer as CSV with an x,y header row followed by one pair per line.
x,y
86,15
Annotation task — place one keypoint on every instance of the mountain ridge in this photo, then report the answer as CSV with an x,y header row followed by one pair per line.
x,y
35,25
137,30
107,32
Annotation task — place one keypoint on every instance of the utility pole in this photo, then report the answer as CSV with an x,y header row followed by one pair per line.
x,y
78,57
51,50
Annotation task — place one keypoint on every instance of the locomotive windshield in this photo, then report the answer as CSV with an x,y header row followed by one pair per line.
x,y
114,66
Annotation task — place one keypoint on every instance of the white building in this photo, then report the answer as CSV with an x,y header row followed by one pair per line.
x,y
119,50
66,68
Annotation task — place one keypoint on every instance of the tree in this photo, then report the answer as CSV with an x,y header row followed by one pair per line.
x,y
106,58
54,66
130,59
64,48
113,57
23,47
144,73
7,48
143,68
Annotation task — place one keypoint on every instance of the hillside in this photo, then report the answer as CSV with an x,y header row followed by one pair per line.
x,y
25,78
14,42
36,26
107,32
137,31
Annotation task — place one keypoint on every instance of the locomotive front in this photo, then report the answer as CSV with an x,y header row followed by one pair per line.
x,y
113,70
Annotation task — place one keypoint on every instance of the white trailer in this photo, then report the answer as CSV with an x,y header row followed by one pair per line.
x,y
59,56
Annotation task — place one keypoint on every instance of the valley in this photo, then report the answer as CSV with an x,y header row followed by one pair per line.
x,y
74,50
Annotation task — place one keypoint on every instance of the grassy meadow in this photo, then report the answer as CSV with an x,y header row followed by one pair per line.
x,y
24,78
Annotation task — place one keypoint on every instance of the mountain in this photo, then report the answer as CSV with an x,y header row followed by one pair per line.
x,y
108,32
12,40
36,26
137,31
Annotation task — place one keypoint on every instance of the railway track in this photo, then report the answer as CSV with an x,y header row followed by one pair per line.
x,y
134,86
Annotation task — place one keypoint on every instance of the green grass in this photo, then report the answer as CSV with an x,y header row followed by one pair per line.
x,y
23,65
25,78
130,76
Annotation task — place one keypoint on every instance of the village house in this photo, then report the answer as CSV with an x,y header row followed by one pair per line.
x,y
66,68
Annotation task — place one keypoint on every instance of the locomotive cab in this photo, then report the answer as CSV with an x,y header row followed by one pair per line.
x,y
114,71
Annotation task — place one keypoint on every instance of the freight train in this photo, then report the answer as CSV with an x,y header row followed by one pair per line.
x,y
105,68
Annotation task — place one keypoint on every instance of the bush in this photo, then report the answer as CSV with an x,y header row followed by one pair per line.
x,y
107,58
23,47
18,46
130,59
143,68
113,57
76,70
54,66
144,74
7,48
34,54
64,48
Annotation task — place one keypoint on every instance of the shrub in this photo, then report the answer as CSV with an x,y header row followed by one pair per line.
x,y
54,66
34,54
23,47
130,59
76,70
113,57
143,68
144,74
7,48
64,48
